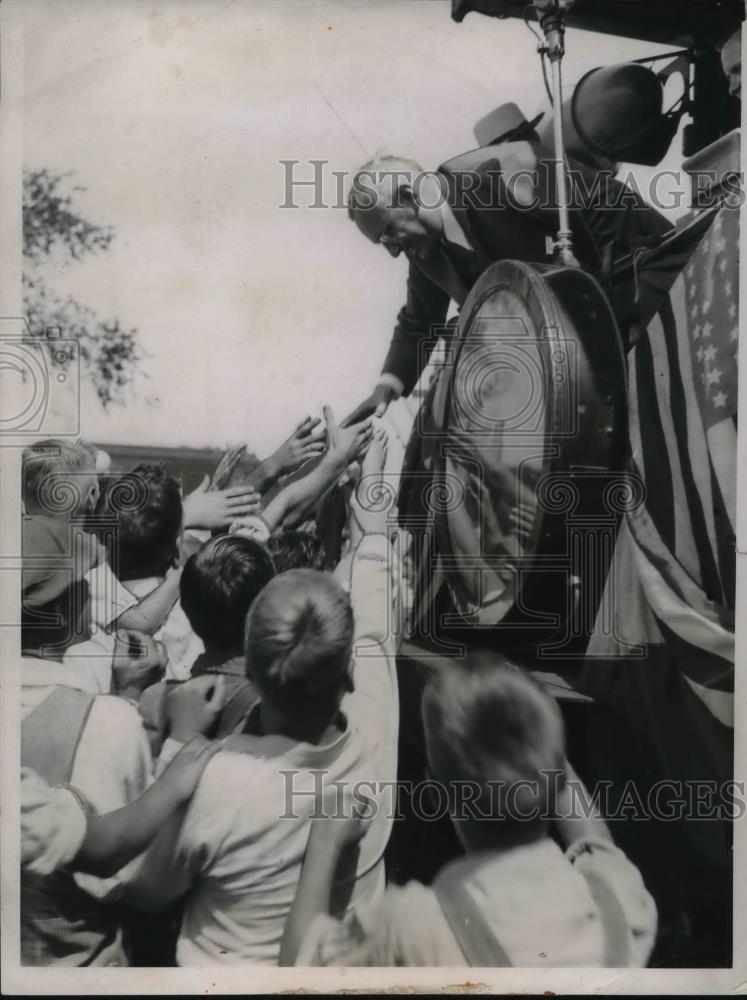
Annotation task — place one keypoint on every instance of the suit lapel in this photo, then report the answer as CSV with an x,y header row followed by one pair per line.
x,y
459,203
439,269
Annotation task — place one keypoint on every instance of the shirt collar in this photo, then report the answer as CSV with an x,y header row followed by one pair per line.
x,y
251,741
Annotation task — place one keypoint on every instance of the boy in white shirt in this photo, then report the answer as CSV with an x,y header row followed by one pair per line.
x,y
494,741
324,666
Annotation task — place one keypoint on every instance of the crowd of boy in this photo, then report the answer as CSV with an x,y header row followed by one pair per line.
x,y
198,684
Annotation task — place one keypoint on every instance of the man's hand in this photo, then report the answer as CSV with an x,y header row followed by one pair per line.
x,y
304,443
193,707
185,770
205,508
375,405
345,444
138,661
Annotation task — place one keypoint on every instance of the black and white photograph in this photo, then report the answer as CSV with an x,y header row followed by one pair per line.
x,y
371,497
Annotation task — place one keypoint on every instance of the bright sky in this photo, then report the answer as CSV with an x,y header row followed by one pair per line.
x,y
175,115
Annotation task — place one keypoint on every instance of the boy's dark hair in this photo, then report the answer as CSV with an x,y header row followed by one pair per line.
x,y
139,519
297,550
299,643
218,586
493,725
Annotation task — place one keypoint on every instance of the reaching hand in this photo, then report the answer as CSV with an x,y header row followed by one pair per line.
x,y
374,405
344,444
375,458
373,497
193,707
205,508
185,770
382,396
189,543
304,443
138,661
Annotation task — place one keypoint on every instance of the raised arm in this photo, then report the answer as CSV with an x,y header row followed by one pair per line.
x,y
114,839
293,503
337,827
210,508
149,614
174,858
306,442
374,595
423,313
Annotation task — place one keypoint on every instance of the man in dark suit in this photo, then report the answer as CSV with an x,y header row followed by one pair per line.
x,y
486,205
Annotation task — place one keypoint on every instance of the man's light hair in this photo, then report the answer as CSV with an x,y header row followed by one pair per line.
x,y
379,180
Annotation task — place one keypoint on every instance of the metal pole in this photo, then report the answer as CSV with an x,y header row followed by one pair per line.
x,y
551,20
565,237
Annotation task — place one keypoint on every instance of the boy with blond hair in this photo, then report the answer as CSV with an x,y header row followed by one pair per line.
x,y
495,745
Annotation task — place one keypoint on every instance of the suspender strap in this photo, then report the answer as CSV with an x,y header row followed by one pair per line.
x,y
614,923
50,734
480,946
482,949
236,709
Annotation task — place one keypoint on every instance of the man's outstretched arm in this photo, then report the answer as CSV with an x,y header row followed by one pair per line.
x,y
420,317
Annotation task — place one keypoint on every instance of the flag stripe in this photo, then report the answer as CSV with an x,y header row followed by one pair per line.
x,y
654,458
651,546
685,616
677,534
719,703
708,669
686,417
694,437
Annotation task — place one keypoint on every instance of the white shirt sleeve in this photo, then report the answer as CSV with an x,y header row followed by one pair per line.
x,y
187,843
109,598
182,644
53,824
112,767
600,856
375,638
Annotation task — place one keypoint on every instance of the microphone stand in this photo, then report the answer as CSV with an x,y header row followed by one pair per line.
x,y
550,14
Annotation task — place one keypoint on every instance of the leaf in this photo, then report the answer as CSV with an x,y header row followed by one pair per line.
x,y
51,224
